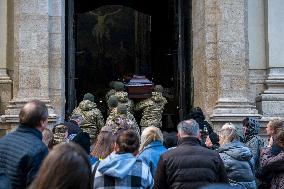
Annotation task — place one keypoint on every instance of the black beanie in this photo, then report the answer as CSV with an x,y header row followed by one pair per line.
x,y
214,138
83,139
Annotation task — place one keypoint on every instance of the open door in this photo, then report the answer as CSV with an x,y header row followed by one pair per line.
x,y
162,54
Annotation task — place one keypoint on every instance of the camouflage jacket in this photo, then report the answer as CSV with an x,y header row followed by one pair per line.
x,y
153,108
122,98
93,120
59,132
129,118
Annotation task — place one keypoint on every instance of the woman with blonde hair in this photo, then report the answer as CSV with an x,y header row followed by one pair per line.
x,y
237,158
151,147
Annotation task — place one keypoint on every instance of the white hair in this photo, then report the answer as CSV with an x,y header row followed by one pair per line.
x,y
189,127
228,133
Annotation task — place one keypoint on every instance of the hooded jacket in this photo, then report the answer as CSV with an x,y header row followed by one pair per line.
x,y
122,170
205,128
93,120
253,141
152,110
122,98
238,161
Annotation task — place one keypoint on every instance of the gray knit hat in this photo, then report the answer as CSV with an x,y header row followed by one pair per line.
x,y
112,101
118,86
159,88
89,96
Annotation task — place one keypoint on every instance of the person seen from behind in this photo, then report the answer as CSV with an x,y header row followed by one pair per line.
x,y
212,141
151,147
22,151
189,165
107,137
83,139
121,169
205,128
67,166
170,139
237,158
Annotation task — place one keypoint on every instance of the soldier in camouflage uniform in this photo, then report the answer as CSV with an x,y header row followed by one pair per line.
x,y
121,113
111,91
93,120
63,131
153,108
59,132
112,103
122,96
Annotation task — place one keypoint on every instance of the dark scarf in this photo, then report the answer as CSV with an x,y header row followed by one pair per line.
x,y
275,150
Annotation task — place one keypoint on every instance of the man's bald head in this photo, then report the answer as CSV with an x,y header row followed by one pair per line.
x,y
33,112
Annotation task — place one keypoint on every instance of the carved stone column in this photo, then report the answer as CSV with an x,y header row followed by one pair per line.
x,y
5,81
257,48
232,50
271,102
31,57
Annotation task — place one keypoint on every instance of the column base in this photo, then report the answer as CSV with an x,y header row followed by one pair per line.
x,y
10,120
233,112
271,102
5,92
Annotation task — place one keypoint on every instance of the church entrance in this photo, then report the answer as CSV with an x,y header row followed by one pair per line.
x,y
111,40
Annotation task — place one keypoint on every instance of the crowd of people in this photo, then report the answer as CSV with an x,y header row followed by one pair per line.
x,y
86,153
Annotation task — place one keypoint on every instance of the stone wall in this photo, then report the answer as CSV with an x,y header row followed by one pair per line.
x,y
204,60
221,60
57,56
232,61
36,48
257,48
5,81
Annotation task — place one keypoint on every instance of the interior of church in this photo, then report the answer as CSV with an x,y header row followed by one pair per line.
x,y
115,40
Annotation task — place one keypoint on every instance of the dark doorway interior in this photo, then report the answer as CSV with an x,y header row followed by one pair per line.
x,y
113,39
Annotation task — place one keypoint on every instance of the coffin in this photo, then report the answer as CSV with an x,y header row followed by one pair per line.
x,y
139,87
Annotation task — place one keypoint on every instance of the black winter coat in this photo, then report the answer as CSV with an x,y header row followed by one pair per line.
x,y
189,166
21,154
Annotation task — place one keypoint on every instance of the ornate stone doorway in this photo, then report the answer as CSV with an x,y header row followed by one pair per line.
x,y
157,44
